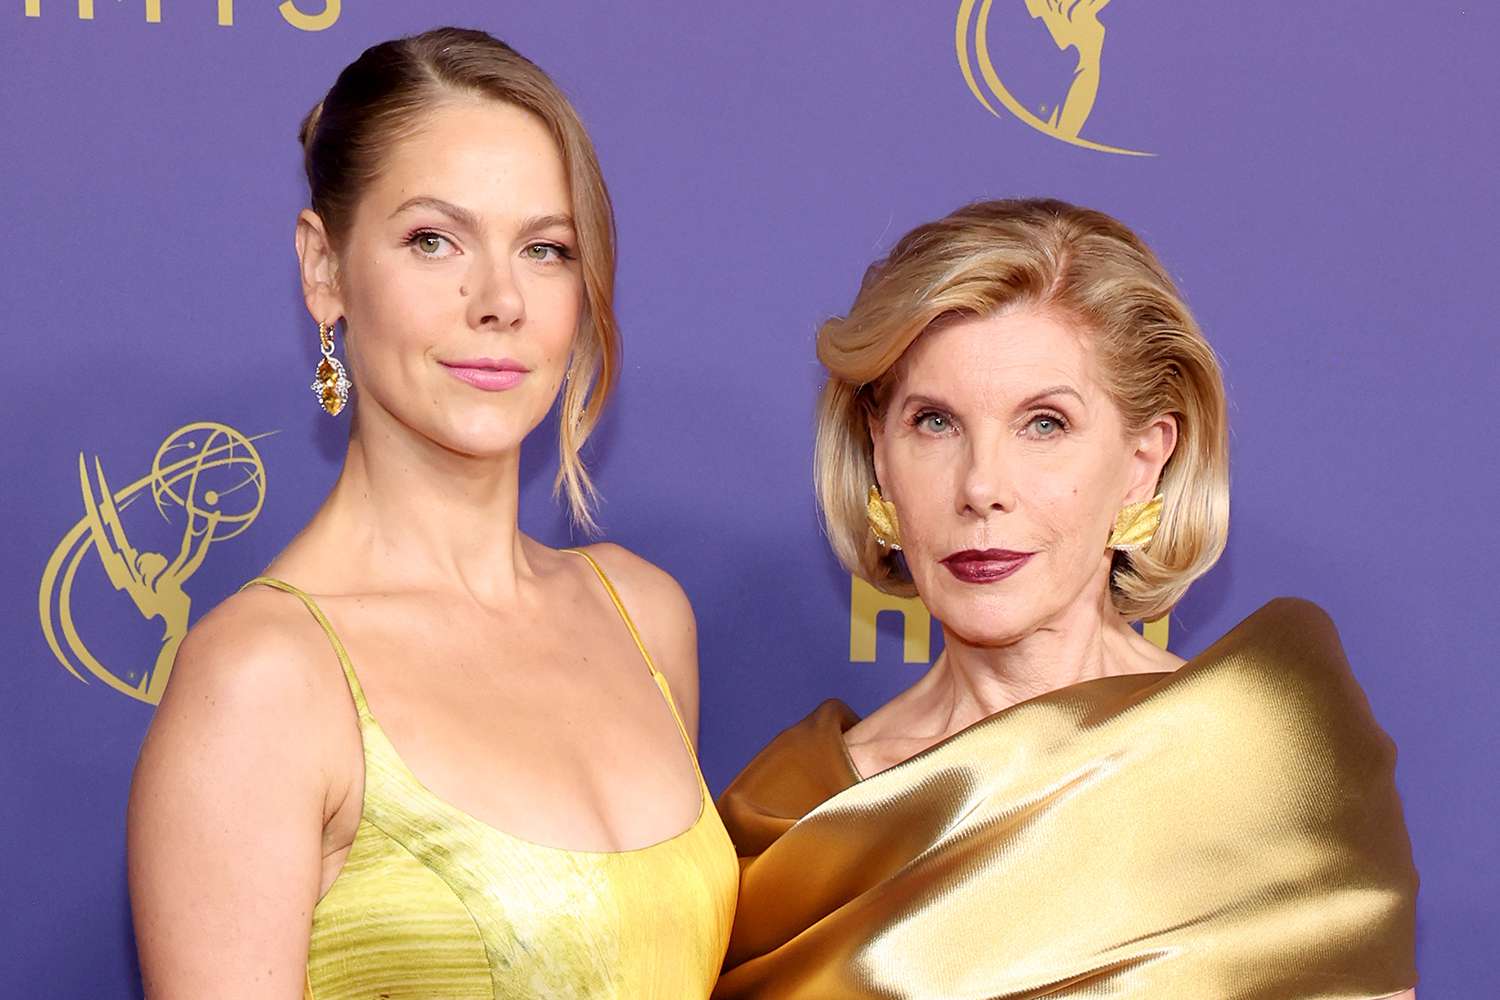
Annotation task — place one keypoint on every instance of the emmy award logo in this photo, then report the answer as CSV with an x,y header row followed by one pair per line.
x,y
208,483
1072,24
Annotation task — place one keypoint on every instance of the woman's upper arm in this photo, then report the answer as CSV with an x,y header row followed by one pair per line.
x,y
226,817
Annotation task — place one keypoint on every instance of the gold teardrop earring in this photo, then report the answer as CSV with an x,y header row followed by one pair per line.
x,y
1136,524
331,382
881,514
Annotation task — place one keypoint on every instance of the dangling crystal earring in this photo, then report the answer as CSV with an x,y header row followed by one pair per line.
x,y
1136,524
331,384
881,514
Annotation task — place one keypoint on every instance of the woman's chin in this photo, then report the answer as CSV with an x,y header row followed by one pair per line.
x,y
986,621
988,635
480,436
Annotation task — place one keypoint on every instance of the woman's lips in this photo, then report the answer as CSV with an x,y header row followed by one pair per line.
x,y
986,565
491,376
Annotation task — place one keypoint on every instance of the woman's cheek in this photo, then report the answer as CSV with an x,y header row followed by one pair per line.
x,y
924,503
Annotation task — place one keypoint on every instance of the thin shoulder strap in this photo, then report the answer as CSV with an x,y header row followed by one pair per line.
x,y
656,675
333,639
614,597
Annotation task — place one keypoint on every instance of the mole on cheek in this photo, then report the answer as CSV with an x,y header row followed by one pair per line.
x,y
462,290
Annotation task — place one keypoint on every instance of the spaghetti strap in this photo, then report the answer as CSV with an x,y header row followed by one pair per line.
x,y
656,675
614,597
333,639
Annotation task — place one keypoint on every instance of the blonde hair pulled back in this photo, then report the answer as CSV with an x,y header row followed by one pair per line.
x,y
382,97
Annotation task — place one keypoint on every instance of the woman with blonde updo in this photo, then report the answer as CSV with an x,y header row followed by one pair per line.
x,y
427,756
1024,427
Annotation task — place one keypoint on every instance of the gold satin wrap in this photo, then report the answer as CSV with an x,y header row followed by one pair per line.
x,y
1228,830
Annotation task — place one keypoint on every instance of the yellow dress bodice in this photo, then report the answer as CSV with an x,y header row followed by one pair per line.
x,y
433,904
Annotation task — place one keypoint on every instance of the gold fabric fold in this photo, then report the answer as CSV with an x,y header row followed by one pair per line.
x,y
1228,830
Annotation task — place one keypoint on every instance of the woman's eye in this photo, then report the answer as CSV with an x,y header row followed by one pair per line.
x,y
933,423
545,252
1045,426
431,244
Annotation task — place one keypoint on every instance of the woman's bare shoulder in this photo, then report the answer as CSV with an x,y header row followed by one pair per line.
x,y
255,675
647,590
260,647
662,614
241,770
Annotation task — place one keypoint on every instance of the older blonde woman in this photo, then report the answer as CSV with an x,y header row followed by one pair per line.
x,y
1024,426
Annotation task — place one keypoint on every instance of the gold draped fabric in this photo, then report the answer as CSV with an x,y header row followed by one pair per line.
x,y
1227,830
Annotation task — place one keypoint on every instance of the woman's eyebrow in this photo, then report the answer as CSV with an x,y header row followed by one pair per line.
x,y
469,220
922,399
457,213
557,220
1056,390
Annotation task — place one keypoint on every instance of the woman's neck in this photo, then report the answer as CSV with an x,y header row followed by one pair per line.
x,y
970,682
408,513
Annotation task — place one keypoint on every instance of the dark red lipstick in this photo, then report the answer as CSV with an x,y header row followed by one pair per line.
x,y
985,565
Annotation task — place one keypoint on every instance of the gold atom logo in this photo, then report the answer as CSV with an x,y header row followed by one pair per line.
x,y
1072,24
206,479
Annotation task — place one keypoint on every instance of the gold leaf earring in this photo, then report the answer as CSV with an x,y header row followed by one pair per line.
x,y
881,514
330,383
1136,524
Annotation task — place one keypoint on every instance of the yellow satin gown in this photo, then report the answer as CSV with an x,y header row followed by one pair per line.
x,y
432,904
1228,831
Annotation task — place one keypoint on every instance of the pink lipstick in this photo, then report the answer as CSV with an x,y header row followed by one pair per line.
x,y
985,565
488,374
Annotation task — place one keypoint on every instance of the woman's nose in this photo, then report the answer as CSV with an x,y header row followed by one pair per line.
x,y
984,485
497,301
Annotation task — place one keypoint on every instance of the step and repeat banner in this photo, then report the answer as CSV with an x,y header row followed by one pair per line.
x,y
1320,180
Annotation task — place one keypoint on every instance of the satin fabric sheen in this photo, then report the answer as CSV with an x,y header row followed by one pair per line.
x,y
1228,830
433,904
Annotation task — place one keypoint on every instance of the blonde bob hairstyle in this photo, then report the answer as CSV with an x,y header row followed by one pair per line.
x,y
1078,265
383,96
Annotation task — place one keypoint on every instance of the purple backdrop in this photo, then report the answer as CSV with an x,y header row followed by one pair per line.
x,y
1324,189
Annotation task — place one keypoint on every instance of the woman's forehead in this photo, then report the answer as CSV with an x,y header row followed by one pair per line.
x,y
483,154
1018,351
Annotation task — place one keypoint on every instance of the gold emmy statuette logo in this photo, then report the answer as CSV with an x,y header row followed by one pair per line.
x,y
208,475
1072,24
